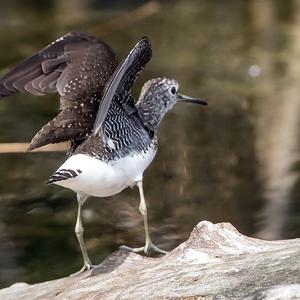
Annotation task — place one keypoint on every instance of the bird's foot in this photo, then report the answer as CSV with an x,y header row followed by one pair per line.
x,y
86,267
148,246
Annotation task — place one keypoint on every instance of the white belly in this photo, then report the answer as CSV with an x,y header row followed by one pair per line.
x,y
101,179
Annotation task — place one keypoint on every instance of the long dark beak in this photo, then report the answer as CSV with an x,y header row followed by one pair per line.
x,y
185,98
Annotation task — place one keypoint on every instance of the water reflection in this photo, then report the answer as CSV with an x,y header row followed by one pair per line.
x,y
234,161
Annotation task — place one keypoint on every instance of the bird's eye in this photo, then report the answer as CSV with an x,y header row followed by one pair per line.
x,y
173,90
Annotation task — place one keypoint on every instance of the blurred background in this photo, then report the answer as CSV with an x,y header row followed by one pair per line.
x,y
236,160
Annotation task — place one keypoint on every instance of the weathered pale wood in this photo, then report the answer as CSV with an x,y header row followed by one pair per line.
x,y
216,262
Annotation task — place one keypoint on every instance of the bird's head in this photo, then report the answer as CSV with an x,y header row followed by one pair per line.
x,y
157,97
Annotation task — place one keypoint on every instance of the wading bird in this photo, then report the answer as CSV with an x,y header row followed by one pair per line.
x,y
113,138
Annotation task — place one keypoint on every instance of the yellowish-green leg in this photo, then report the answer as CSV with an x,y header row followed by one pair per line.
x,y
143,210
87,265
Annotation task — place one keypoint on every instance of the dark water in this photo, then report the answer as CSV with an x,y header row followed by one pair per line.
x,y
235,160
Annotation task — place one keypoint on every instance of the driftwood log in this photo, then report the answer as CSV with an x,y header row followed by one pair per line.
x,y
216,262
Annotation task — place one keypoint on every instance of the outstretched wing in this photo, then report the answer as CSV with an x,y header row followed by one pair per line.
x,y
77,66
118,89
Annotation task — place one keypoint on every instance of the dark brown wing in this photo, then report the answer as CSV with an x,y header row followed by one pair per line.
x,y
77,66
119,87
